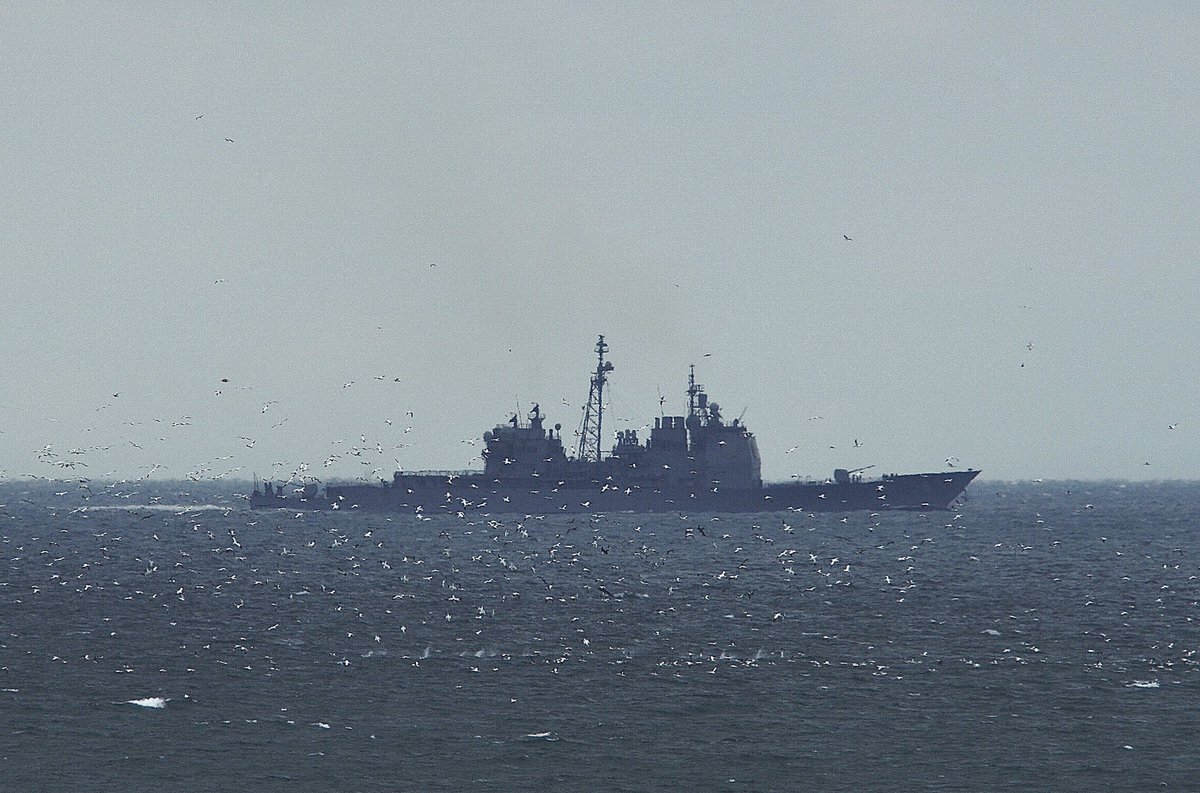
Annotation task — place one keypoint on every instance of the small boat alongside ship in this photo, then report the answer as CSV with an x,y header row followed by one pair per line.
x,y
693,463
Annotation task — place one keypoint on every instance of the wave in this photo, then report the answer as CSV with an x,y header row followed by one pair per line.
x,y
155,507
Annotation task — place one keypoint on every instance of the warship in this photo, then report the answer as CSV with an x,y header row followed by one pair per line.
x,y
694,463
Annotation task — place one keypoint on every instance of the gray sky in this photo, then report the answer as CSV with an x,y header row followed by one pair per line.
x,y
1018,182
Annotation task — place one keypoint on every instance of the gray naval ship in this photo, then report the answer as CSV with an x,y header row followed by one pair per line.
x,y
693,463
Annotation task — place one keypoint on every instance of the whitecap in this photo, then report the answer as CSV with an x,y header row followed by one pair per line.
x,y
148,702
991,632
1143,684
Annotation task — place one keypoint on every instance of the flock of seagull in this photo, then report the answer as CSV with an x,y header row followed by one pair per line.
x,y
656,595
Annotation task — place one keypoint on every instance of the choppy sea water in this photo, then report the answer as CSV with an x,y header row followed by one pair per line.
x,y
1042,637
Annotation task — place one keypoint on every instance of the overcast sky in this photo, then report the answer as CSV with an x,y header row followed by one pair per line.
x,y
242,237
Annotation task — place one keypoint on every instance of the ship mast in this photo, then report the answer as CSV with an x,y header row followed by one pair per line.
x,y
593,414
697,399
693,389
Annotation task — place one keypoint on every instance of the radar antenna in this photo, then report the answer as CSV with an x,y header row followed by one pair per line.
x,y
593,414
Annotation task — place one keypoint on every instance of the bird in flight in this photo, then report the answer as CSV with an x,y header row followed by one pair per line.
x,y
229,140
847,239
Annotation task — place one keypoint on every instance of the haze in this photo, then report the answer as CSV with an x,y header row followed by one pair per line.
x,y
278,238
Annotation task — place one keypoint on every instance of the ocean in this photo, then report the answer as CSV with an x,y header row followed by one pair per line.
x,y
1043,636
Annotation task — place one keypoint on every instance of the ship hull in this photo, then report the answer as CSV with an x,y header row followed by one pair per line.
x,y
437,494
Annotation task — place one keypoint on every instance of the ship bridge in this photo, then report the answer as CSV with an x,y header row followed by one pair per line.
x,y
699,452
519,450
